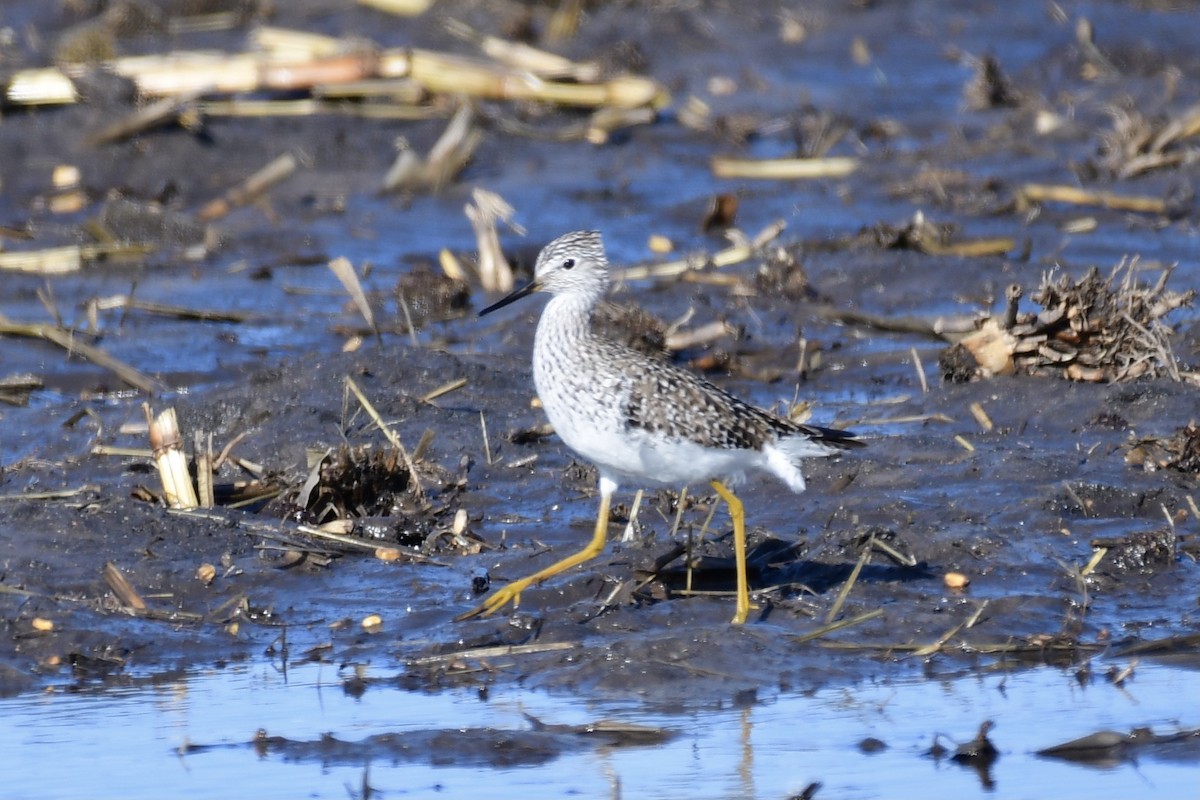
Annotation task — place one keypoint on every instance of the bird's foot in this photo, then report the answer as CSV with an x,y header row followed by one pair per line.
x,y
742,612
497,600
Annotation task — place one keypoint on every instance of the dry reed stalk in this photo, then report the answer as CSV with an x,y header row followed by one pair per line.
x,y
40,87
741,250
127,303
682,340
1041,193
783,168
837,626
66,340
447,157
69,258
289,44
169,458
401,8
493,652
253,187
484,211
450,74
968,248
400,90
521,56
344,270
844,592
202,447
122,588
445,388
160,112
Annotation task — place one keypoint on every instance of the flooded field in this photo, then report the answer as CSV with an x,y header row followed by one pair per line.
x,y
989,276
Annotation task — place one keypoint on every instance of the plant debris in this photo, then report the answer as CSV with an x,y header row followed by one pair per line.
x,y
1179,451
1095,329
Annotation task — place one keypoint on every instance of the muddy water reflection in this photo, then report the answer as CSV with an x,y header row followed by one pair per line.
x,y
128,743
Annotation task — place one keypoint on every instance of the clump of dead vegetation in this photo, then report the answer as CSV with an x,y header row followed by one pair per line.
x,y
1097,328
1137,144
1179,451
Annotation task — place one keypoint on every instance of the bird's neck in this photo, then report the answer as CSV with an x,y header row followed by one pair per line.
x,y
567,317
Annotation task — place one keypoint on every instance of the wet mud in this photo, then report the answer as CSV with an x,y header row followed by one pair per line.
x,y
1014,482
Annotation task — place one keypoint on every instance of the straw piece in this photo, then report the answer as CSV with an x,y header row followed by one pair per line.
x,y
40,87
257,184
121,587
157,113
519,55
169,458
783,168
66,340
1041,193
484,211
344,270
70,258
401,8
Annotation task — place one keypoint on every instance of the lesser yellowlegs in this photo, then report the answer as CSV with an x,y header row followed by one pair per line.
x,y
641,420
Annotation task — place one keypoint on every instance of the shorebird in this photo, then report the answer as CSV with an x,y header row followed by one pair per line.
x,y
642,420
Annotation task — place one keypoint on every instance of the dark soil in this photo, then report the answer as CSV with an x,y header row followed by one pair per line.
x,y
1019,508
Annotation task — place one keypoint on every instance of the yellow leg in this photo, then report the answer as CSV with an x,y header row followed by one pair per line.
x,y
738,513
512,592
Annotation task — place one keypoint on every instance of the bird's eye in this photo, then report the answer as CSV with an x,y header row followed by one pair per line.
x,y
568,263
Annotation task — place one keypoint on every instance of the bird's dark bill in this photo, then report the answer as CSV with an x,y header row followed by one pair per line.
x,y
512,297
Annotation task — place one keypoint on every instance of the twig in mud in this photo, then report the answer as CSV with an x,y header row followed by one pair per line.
x,y
492,652
127,302
630,532
444,389
16,389
1041,193
907,419
169,109
937,328
837,626
916,362
966,624
61,494
251,189
389,433
408,321
423,443
121,587
1097,556
844,592
487,447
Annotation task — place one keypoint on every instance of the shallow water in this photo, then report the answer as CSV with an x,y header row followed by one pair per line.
x,y
125,743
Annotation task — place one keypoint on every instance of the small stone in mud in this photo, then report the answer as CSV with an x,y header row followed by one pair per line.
x,y
872,745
